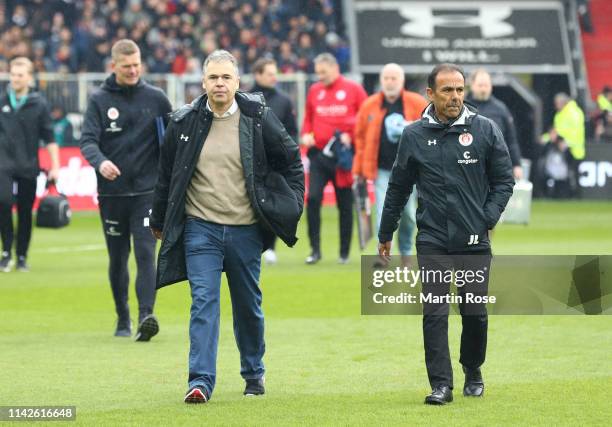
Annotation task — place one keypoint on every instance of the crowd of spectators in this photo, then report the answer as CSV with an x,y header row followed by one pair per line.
x,y
174,35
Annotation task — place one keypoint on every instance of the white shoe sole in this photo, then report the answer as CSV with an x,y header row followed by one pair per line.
x,y
8,268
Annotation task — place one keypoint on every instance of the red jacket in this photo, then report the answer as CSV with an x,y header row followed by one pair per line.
x,y
331,108
369,125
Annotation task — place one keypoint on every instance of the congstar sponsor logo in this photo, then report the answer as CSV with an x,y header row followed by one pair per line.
x,y
467,159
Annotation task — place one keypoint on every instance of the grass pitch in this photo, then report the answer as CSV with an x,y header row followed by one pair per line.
x,y
326,364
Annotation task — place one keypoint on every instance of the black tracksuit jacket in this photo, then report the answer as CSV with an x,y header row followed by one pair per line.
x,y
21,132
125,125
463,175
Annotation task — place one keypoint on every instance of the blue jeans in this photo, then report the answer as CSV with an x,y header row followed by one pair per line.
x,y
236,249
408,219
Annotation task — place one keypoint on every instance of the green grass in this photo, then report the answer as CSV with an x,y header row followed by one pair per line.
x,y
326,364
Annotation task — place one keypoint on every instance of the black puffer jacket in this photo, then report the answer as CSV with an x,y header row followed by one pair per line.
x,y
272,168
463,175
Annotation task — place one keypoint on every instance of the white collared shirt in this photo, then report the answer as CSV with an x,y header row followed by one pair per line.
x,y
232,109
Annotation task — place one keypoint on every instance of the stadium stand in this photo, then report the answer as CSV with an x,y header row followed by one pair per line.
x,y
174,35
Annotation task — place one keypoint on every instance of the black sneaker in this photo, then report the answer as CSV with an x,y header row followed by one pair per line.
x,y
197,394
124,328
254,387
313,258
148,328
6,263
22,265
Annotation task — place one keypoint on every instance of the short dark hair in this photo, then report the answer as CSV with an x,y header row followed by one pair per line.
x,y
260,65
431,79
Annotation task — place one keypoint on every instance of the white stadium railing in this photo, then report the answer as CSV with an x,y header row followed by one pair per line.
x,y
71,91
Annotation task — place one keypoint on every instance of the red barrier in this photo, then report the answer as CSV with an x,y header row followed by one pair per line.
x,y
77,180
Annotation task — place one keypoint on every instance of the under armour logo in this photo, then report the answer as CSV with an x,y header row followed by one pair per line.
x,y
422,23
184,138
431,142
473,239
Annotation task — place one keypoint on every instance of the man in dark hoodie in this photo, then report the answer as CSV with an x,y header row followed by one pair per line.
x,y
266,72
122,132
24,122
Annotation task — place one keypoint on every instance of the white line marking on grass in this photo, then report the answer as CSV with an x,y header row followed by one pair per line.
x,y
82,248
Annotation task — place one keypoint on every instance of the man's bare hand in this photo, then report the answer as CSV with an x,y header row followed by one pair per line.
x,y
108,170
53,175
157,233
345,138
384,250
517,171
308,140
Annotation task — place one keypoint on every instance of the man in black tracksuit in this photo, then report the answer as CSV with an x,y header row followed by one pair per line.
x,y
265,72
481,96
461,167
24,122
122,131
